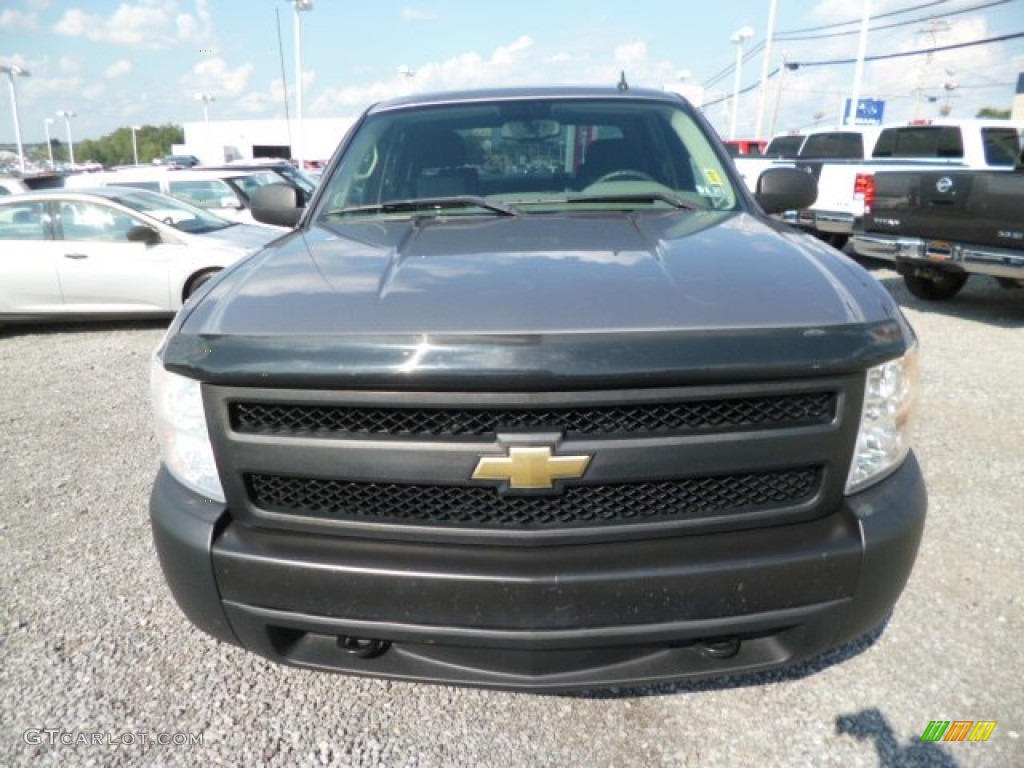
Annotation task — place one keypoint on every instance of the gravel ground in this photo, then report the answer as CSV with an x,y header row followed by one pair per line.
x,y
94,647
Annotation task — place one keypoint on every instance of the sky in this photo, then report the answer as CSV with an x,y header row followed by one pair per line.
x,y
116,63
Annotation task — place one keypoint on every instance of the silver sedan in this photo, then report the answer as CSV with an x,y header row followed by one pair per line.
x,y
111,252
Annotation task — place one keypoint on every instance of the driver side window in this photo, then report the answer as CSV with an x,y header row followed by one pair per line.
x,y
91,222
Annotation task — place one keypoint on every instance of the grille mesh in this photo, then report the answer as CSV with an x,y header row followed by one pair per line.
x,y
482,507
325,420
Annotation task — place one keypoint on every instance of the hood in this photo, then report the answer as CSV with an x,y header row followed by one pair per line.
x,y
248,237
543,274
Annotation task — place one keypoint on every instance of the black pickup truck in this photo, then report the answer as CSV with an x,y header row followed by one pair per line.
x,y
939,227
537,396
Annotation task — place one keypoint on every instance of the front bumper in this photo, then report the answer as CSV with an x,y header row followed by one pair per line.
x,y
547,617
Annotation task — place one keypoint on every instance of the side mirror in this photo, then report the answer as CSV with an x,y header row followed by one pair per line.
x,y
277,204
143,234
785,189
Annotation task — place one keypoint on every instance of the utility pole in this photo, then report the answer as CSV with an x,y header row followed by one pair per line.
x,y
762,96
778,94
934,27
858,74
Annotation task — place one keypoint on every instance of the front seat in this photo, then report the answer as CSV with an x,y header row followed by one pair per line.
x,y
441,166
605,156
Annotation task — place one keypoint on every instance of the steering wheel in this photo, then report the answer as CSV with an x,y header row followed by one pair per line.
x,y
625,174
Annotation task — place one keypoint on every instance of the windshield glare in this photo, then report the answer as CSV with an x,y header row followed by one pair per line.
x,y
180,215
540,155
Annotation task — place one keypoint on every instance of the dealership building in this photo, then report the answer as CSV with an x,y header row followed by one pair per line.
x,y
220,141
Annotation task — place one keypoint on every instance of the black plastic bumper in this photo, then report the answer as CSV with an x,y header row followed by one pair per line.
x,y
544,618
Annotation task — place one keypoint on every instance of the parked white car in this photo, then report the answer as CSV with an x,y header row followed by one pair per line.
x,y
110,252
224,192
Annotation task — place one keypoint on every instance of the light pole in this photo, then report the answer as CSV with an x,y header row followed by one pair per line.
x,y
49,145
11,70
737,39
300,5
67,114
135,143
206,98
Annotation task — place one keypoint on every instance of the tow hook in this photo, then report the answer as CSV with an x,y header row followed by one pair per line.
x,y
363,647
724,648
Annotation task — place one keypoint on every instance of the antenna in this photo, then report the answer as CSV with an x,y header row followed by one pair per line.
x,y
623,85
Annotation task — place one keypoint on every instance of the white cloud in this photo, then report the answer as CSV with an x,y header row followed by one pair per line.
x,y
195,28
119,68
69,65
418,14
12,19
506,54
630,54
214,75
94,91
134,25
253,102
147,24
516,63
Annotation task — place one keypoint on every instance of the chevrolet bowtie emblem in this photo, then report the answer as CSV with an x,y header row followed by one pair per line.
x,y
529,467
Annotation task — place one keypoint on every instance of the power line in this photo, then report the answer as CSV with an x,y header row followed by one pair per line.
x,y
857,21
758,47
793,65
847,33
920,52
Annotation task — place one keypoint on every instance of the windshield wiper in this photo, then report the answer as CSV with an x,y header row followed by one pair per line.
x,y
633,197
428,203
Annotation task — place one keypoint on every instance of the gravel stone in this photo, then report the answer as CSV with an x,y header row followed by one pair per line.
x,y
91,642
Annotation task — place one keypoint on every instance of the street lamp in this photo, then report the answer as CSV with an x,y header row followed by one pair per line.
x,y
67,114
300,5
11,70
135,143
737,39
206,98
47,122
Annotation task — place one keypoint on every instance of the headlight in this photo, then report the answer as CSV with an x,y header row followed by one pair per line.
x,y
181,431
883,440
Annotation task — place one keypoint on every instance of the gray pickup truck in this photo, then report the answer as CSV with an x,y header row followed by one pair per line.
x,y
537,396
940,227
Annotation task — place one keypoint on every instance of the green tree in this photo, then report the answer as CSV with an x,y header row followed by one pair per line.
x,y
116,148
992,112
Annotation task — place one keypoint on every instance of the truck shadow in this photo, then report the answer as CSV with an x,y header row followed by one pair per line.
x,y
63,326
982,300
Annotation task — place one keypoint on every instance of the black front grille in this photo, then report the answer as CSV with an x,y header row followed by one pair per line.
x,y
481,507
777,411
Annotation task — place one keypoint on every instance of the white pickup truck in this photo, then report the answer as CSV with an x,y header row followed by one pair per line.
x,y
17,185
846,187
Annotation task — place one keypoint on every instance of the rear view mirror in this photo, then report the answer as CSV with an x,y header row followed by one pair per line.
x,y
785,189
143,234
277,204
525,130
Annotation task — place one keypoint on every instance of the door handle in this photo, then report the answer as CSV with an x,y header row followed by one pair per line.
x,y
76,256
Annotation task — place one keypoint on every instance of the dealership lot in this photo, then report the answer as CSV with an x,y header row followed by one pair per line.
x,y
95,652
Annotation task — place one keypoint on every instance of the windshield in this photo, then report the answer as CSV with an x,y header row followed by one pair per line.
x,y
537,155
180,215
